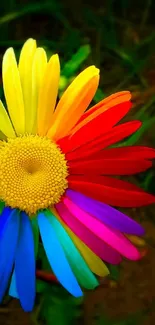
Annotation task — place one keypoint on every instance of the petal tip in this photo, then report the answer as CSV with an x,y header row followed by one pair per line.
x,y
92,70
55,58
8,52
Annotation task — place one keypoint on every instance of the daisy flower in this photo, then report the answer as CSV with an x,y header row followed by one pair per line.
x,y
57,163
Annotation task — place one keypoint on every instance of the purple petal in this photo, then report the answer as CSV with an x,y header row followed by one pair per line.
x,y
106,214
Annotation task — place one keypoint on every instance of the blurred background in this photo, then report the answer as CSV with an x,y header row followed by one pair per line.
x,y
118,36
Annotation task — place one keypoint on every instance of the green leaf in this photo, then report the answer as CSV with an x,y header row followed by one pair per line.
x,y
148,182
99,95
138,134
52,7
141,113
41,286
71,67
2,204
63,83
59,307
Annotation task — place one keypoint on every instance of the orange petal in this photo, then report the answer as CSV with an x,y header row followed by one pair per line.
x,y
98,126
74,102
102,106
115,135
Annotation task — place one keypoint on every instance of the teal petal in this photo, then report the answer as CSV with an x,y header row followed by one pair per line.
x,y
81,270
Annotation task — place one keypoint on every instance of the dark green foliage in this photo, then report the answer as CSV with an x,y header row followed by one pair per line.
x,y
130,320
56,306
114,272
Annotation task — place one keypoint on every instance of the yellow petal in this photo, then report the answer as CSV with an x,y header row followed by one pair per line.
x,y
93,261
25,70
48,95
3,136
5,123
13,91
74,102
38,71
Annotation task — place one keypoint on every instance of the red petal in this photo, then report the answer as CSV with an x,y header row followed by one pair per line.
x,y
131,153
62,143
111,191
98,126
109,166
106,180
113,136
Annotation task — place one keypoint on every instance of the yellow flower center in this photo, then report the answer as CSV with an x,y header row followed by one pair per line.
x,y
33,173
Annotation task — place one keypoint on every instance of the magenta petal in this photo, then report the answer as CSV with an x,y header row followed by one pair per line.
x,y
112,237
106,214
99,247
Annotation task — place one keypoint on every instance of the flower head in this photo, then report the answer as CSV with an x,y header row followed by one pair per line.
x,y
56,176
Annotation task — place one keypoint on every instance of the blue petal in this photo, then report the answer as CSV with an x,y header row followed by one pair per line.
x,y
56,257
3,218
25,265
8,244
13,288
